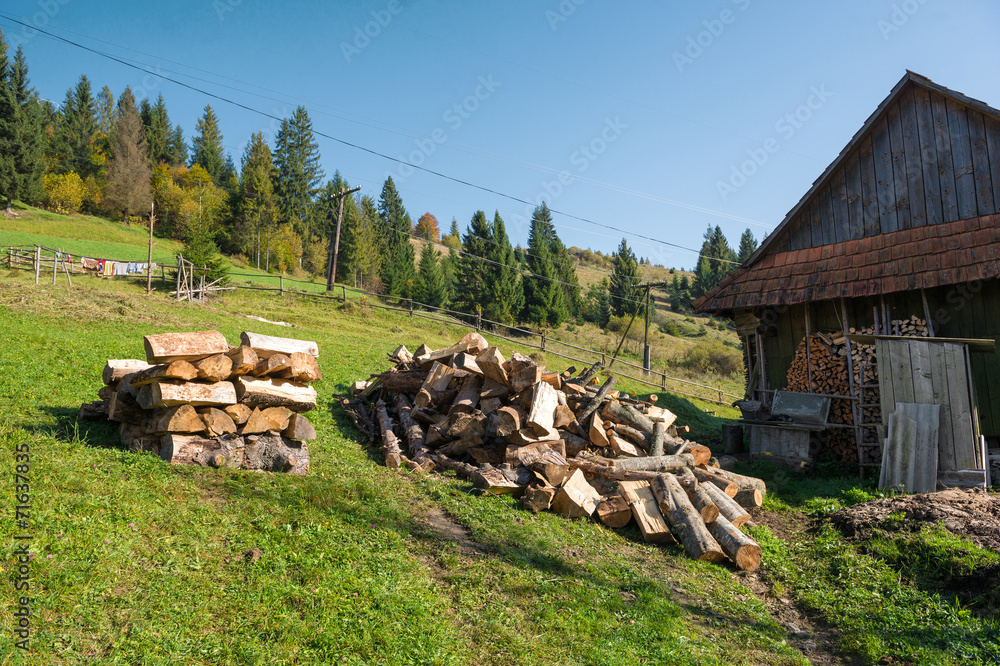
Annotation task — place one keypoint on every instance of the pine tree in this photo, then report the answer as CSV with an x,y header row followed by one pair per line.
x,y
177,150
257,211
715,260
77,128
364,243
748,245
430,288
472,286
543,295
625,293
565,267
503,282
297,159
207,145
675,294
398,271
158,130
8,129
128,171
27,129
450,266
105,111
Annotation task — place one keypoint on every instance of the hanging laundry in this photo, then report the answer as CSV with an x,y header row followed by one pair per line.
x,y
121,268
90,264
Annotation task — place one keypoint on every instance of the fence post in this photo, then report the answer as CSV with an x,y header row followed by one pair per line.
x,y
544,333
411,306
663,383
281,284
479,321
55,267
343,290
720,393
603,359
38,262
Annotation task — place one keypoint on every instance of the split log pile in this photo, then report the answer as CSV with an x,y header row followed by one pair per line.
x,y
559,442
197,401
828,361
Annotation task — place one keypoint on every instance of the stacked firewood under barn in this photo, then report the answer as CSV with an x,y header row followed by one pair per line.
x,y
827,360
559,442
197,401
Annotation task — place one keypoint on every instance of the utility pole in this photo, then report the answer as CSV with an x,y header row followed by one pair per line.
x,y
331,275
149,258
645,342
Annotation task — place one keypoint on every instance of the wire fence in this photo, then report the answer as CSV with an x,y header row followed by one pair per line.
x,y
32,258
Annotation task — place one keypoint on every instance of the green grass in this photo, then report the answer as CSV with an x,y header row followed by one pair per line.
x,y
147,559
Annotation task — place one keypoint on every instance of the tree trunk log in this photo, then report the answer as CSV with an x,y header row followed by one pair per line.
x,y
724,484
254,392
266,345
626,415
740,548
686,521
699,497
169,347
750,498
390,443
419,452
244,359
613,473
597,401
658,464
641,500
181,370
214,368
659,433
116,369
405,382
614,511
728,507
744,482
163,394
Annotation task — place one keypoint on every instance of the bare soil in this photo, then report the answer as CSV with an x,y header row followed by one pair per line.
x,y
973,514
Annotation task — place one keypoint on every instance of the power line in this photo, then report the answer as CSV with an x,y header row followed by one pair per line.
x,y
363,148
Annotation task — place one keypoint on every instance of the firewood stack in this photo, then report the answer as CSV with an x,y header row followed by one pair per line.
x,y
197,401
828,359
557,441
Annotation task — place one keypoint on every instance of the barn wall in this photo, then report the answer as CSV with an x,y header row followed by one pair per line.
x,y
927,160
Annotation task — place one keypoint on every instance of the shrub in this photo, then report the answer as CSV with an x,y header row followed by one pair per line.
x,y
712,356
64,193
670,327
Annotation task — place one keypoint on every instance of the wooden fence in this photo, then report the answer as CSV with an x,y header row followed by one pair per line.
x,y
34,258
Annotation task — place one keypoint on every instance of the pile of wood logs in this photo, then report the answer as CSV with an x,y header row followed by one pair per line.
x,y
197,401
559,442
827,360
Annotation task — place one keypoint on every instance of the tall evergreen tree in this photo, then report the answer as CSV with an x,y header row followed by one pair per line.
x,y
299,175
362,244
128,171
207,145
565,267
748,245
177,150
715,261
105,111
472,281
544,300
258,209
506,295
430,287
27,131
158,130
8,129
453,239
77,128
625,293
398,270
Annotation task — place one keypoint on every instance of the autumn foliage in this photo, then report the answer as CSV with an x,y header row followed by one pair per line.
x,y
427,228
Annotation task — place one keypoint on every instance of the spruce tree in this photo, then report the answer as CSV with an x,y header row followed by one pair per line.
x,y
158,130
207,145
299,174
105,111
77,128
257,210
543,295
177,150
398,271
430,288
128,170
715,260
748,245
8,129
503,283
472,286
27,120
565,267
625,293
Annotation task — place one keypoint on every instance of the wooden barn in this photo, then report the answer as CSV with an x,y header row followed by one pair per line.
x,y
899,236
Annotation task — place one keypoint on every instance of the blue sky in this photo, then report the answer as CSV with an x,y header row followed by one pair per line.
x,y
656,119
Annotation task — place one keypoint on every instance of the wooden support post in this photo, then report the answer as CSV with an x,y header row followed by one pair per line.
x,y
645,339
809,371
544,332
180,268
66,268
149,254
331,275
343,294
281,284
38,262
927,313
55,266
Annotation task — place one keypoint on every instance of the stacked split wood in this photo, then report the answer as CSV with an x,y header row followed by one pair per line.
x,y
827,360
197,401
559,442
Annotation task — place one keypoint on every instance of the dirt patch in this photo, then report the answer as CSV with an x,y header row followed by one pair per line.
x,y
443,528
973,514
807,632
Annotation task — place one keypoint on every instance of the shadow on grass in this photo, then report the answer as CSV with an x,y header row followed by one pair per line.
x,y
67,426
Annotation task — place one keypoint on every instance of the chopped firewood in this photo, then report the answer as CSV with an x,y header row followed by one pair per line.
x,y
401,355
654,412
426,399
165,394
490,405
598,400
552,379
727,506
741,549
274,364
538,498
563,417
468,396
524,373
304,368
570,388
299,428
467,362
541,416
116,369
598,435
266,345
95,410
473,343
699,497
176,370
493,480
256,424
622,447
576,498
244,359
492,389
439,377
511,419
728,487
406,382
390,443
485,456
217,422
105,392
238,413
526,436
124,408
214,368
255,392
646,511
614,511
183,419
491,362
659,433
169,347
657,464
685,520
419,452
627,415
